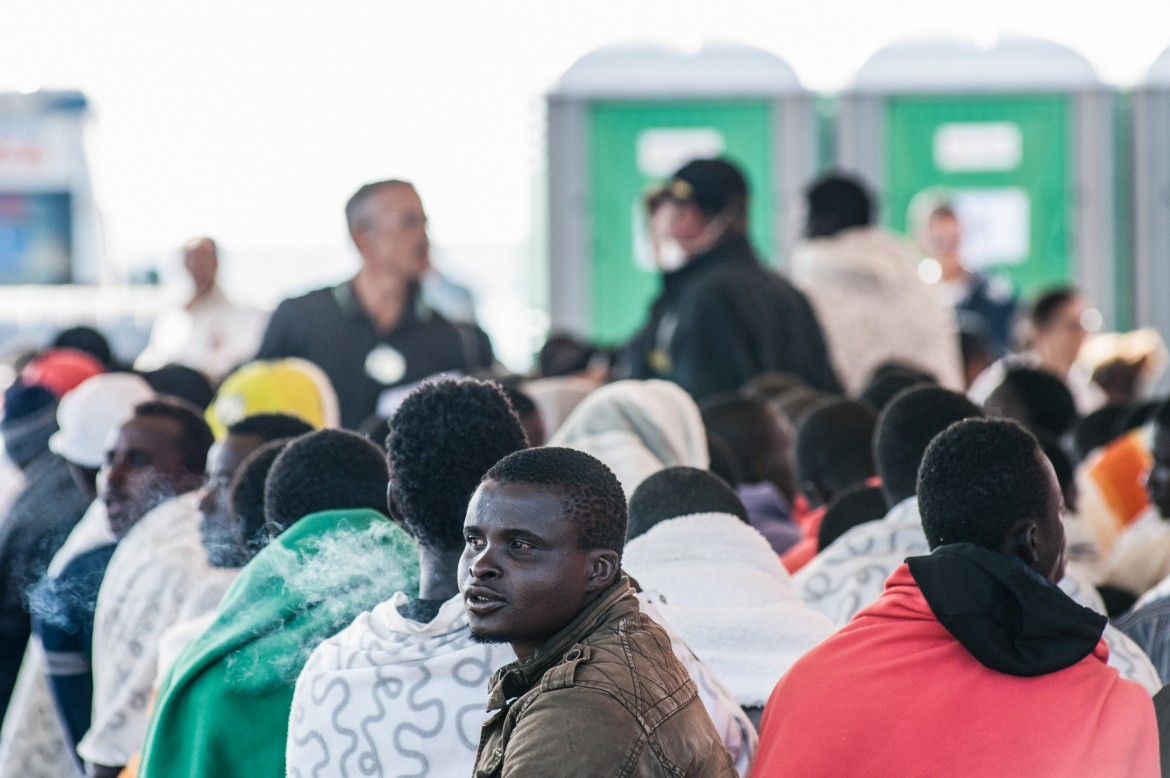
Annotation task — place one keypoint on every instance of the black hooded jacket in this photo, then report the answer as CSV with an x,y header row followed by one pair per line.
x,y
722,319
1001,611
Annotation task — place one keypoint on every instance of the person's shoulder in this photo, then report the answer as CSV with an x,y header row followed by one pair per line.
x,y
867,544
314,299
635,649
88,563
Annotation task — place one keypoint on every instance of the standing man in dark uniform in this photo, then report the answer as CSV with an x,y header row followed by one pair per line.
x,y
374,331
721,318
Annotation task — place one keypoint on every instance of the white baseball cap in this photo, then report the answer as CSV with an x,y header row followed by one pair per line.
x,y
90,415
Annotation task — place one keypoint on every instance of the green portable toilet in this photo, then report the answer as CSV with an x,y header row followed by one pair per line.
x,y
1017,134
622,119
1151,201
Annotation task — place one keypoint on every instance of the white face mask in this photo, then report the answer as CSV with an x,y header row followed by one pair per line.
x,y
670,256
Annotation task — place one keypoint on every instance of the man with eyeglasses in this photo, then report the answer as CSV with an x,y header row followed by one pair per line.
x,y
374,331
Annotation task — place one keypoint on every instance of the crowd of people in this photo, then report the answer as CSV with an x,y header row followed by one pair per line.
x,y
831,521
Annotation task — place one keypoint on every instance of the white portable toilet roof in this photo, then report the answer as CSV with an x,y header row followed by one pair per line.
x,y
658,70
1007,64
1159,72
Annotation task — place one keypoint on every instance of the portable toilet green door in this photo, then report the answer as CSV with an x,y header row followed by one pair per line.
x,y
620,121
1015,135
1151,202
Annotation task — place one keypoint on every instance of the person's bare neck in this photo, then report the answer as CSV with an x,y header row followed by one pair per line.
x,y
438,573
954,271
199,296
383,296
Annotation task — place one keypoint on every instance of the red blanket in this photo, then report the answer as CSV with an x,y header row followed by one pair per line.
x,y
895,694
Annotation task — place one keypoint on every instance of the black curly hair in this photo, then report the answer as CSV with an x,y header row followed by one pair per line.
x,y
1036,399
195,436
246,496
680,491
444,437
325,470
905,428
978,478
270,426
834,446
591,495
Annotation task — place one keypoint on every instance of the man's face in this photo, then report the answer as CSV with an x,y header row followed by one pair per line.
x,y
392,237
522,575
1050,538
202,265
942,237
1158,479
143,469
221,532
1061,339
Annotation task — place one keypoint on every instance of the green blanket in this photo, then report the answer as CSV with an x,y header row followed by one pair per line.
x,y
223,709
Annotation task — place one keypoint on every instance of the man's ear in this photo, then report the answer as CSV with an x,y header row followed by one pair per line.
x,y
392,509
1022,541
603,569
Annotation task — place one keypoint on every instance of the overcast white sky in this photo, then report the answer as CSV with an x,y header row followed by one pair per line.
x,y
254,120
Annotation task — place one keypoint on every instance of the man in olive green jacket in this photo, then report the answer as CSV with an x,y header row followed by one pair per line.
x,y
596,689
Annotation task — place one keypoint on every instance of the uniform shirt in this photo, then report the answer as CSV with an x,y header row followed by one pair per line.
x,y
329,328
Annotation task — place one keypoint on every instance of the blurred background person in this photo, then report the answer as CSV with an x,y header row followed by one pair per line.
x,y
983,304
722,318
375,331
862,281
1055,331
210,332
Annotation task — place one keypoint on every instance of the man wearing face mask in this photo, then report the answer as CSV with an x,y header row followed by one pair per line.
x,y
721,318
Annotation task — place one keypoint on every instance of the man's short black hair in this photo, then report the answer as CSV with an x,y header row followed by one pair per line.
x,y
591,495
905,428
563,354
680,491
1048,303
246,495
978,478
1098,429
353,207
751,432
721,460
271,426
856,506
834,445
86,339
836,202
443,438
1036,399
1062,465
888,380
325,470
185,383
195,436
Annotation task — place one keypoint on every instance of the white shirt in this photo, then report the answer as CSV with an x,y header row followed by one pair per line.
x,y
213,335
156,567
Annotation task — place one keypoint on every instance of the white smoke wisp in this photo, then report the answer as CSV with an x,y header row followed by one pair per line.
x,y
314,592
